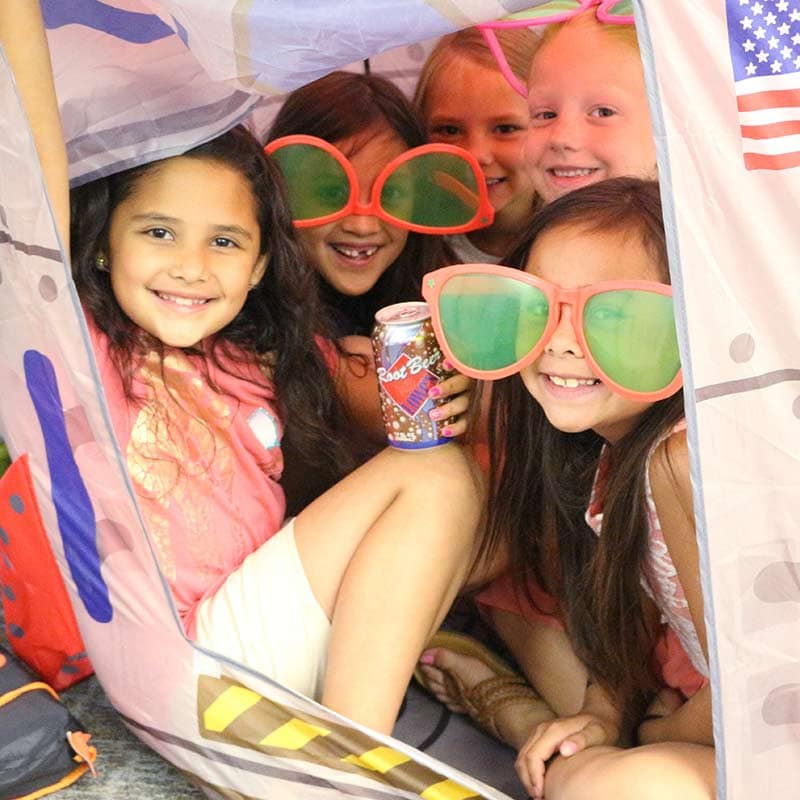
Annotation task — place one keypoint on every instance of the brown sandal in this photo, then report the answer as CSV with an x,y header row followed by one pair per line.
x,y
489,697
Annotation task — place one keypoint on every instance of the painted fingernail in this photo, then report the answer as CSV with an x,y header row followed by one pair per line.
x,y
434,392
447,431
447,364
435,414
426,658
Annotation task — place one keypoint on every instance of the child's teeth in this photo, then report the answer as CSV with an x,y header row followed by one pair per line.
x,y
182,301
572,173
354,252
572,383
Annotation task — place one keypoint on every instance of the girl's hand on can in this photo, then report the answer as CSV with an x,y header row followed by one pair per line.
x,y
452,396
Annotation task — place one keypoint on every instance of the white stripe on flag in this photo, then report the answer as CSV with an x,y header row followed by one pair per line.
x,y
771,83
767,115
774,146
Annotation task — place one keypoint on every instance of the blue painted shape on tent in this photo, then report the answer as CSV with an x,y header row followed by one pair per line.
x,y
130,26
183,34
73,507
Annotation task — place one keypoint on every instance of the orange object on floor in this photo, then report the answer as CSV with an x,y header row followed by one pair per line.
x,y
39,619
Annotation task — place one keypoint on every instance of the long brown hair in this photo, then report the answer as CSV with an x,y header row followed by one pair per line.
x,y
345,105
541,479
277,324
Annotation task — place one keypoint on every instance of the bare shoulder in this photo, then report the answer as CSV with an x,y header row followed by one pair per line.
x,y
670,478
671,485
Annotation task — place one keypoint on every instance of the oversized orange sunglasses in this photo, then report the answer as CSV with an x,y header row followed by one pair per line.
x,y
434,188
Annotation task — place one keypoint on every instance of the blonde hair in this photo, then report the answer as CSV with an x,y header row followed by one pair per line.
x,y
626,34
519,46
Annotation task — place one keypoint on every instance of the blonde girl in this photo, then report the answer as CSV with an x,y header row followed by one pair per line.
x,y
465,100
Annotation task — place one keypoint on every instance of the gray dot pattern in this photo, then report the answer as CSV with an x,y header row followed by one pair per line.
x,y
742,348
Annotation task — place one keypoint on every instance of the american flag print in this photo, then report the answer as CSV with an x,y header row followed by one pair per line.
x,y
764,38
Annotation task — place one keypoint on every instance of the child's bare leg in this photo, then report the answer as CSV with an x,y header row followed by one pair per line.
x,y
661,771
386,551
546,658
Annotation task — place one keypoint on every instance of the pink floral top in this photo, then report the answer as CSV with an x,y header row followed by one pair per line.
x,y
204,463
659,577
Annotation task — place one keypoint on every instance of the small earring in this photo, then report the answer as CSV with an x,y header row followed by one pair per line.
x,y
101,263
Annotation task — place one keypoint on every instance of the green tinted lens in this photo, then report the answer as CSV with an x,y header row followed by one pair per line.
x,y
545,10
436,190
624,8
631,335
489,321
316,182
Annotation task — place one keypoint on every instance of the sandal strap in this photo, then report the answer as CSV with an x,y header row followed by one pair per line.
x,y
487,699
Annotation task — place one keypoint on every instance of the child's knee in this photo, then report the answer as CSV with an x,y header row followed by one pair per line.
x,y
445,466
661,772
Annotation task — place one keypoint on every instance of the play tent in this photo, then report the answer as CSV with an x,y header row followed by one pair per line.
x,y
141,79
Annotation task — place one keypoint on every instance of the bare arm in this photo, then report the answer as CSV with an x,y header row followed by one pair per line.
x,y
357,383
672,493
25,43
597,724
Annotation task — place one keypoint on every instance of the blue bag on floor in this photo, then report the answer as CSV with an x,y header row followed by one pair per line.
x,y
42,746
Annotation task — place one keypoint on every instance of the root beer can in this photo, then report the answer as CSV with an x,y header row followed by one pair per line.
x,y
409,363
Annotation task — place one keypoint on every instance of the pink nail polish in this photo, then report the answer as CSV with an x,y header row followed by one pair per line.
x,y
435,414
426,658
447,365
447,431
434,392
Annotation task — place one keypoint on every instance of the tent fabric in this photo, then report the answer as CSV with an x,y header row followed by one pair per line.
x,y
166,75
196,69
734,240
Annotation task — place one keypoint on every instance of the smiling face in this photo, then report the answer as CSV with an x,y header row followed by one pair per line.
x,y
473,106
184,250
589,114
561,379
353,252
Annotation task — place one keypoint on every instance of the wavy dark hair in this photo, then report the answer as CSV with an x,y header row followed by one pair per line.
x,y
541,479
345,105
278,322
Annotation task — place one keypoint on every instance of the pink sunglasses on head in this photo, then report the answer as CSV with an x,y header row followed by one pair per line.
x,y
619,12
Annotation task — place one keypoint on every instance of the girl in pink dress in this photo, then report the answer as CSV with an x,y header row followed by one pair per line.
x,y
205,327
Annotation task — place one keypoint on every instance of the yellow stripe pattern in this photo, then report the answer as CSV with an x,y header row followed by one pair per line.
x,y
293,735
379,759
237,715
447,790
232,703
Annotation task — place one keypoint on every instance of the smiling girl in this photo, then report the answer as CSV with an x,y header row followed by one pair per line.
x,y
363,262
205,326
588,107
593,494
465,100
